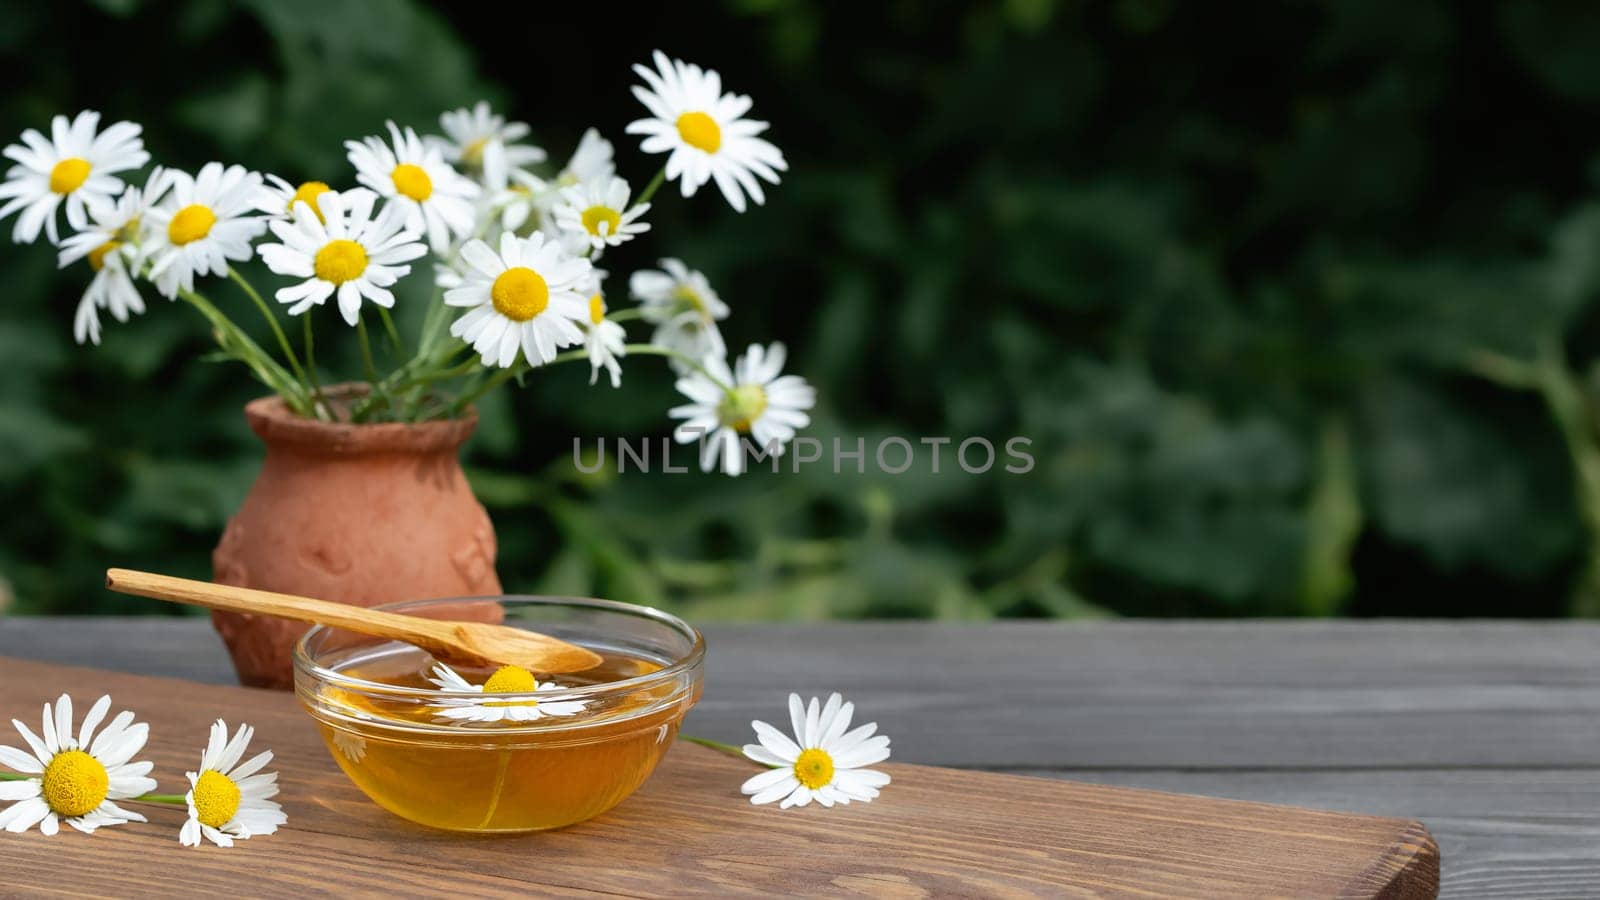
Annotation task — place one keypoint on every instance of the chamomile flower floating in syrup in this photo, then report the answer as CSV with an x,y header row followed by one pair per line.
x,y
111,246
277,197
478,140
505,680
227,799
526,299
201,224
596,214
685,310
342,249
752,400
704,131
437,199
823,762
75,779
74,166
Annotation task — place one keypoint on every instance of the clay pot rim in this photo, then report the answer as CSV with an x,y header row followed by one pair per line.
x,y
278,426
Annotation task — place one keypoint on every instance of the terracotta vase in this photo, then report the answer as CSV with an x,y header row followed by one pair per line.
x,y
362,514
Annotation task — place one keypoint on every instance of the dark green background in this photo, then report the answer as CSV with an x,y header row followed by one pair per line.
x,y
1238,270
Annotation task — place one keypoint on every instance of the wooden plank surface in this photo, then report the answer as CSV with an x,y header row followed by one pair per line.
x,y
1486,731
934,832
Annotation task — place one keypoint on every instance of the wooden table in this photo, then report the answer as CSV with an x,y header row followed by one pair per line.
x,y
1487,732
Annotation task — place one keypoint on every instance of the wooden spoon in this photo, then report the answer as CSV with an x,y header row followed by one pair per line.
x,y
467,643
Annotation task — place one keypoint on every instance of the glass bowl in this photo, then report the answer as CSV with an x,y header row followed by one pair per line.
x,y
498,762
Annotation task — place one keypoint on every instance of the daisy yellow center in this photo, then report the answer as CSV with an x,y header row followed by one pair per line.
x,y
597,309
412,181
511,680
813,768
69,175
340,260
129,230
519,294
700,131
308,193
741,406
74,783
691,298
596,216
191,223
97,256
216,799
472,153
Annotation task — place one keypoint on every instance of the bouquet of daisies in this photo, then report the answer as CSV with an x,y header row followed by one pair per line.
x,y
514,245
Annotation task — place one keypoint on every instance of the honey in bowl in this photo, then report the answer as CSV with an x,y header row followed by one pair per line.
x,y
514,757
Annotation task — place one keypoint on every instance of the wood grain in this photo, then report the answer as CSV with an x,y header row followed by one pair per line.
x,y
1485,731
934,832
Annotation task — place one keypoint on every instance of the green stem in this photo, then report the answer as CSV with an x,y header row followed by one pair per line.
x,y
169,799
686,359
494,381
311,368
235,343
379,390
174,799
624,315
272,320
394,333
651,188
714,745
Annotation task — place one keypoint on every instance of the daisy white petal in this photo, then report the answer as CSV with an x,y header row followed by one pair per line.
x,y
529,295
685,309
204,222
809,768
434,198
73,170
333,249
744,404
523,706
226,801
482,142
76,782
704,132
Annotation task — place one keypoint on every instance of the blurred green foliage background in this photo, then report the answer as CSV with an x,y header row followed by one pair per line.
x,y
1293,300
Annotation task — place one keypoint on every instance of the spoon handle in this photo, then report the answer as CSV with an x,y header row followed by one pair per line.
x,y
288,606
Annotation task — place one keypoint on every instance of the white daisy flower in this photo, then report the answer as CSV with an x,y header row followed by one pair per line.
x,y
605,340
527,297
823,762
436,198
757,401
525,197
505,680
592,161
75,779
111,246
479,140
597,214
692,119
277,197
683,307
343,249
201,224
528,196
74,165
228,799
